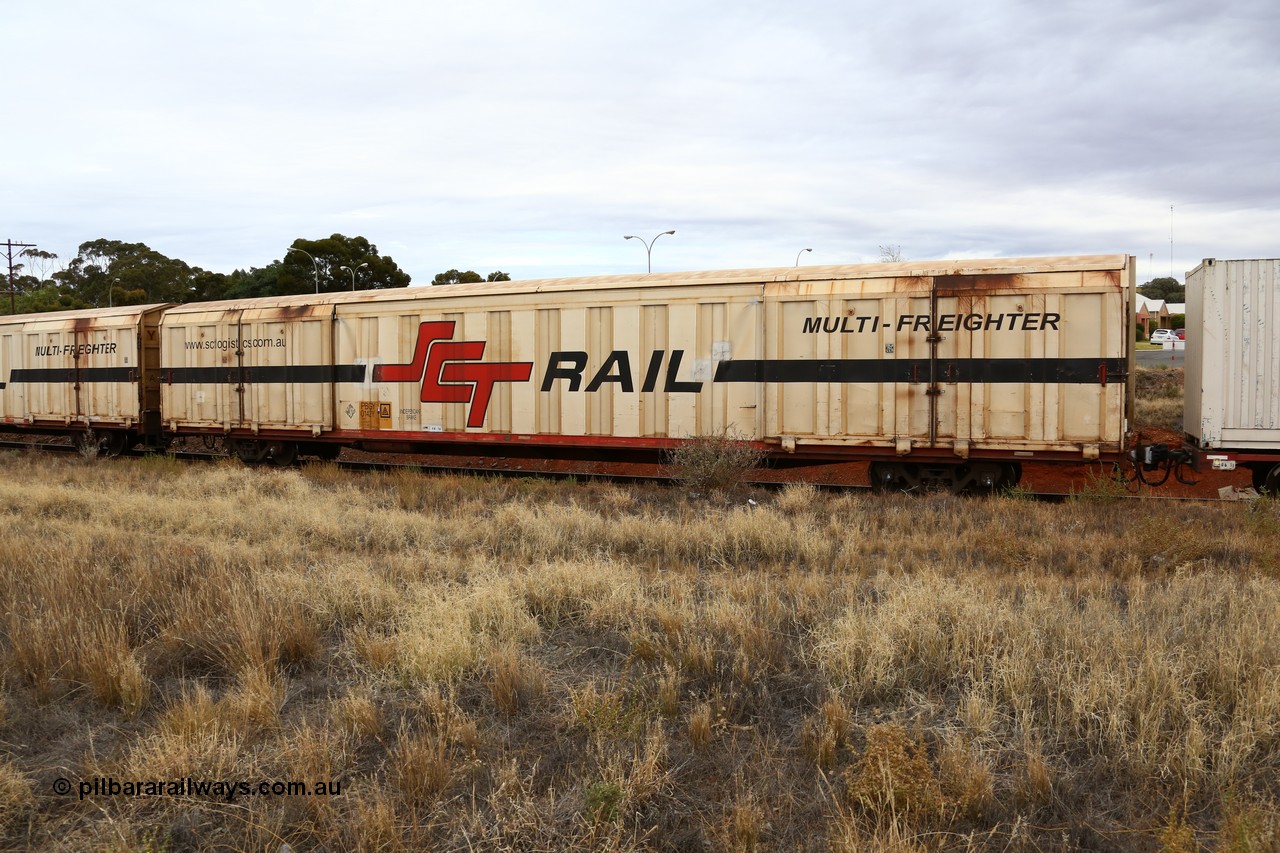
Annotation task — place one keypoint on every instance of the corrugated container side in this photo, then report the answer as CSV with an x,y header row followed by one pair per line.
x,y
259,367
13,405
1233,354
76,368
1018,363
1028,360
1015,355
631,363
288,362
198,370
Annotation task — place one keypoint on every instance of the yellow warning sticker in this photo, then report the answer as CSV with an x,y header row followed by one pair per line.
x,y
375,415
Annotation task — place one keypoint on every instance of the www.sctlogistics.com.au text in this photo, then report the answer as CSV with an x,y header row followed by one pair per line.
x,y
225,790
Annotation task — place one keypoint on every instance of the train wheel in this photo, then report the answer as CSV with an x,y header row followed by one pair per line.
x,y
1267,478
117,443
282,453
982,478
888,477
108,443
89,443
248,451
969,478
1011,473
915,477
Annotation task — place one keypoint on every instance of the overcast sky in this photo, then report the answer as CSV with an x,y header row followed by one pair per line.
x,y
530,137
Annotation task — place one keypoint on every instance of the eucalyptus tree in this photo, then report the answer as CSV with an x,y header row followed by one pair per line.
x,y
317,265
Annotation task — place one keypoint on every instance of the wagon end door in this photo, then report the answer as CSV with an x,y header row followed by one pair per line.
x,y
149,371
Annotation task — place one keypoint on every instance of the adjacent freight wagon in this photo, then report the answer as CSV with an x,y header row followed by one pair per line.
x,y
91,373
1232,401
947,373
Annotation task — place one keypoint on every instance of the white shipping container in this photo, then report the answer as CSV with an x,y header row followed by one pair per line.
x,y
1233,355
79,368
950,359
253,365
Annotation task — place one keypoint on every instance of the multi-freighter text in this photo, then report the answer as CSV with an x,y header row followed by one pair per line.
x,y
74,350
1032,321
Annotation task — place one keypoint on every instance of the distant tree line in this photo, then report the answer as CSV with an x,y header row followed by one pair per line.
x,y
111,272
468,277
1167,289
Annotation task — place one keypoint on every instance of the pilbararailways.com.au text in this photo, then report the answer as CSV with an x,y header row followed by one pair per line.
x,y
226,790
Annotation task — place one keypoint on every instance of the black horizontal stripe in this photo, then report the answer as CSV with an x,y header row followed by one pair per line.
x,y
294,374
70,374
1072,371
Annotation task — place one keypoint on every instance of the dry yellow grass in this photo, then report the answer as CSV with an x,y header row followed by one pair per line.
x,y
505,664
1160,397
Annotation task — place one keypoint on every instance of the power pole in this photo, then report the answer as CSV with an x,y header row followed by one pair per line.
x,y
13,289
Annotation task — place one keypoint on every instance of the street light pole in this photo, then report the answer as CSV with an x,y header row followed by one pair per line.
x,y
799,253
315,265
648,247
353,273
13,285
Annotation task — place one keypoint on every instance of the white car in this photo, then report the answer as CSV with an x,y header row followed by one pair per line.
x,y
1163,336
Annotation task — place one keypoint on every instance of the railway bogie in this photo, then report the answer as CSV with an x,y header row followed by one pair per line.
x,y
1266,476
104,442
976,477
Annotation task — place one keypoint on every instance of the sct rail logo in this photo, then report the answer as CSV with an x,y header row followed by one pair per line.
x,y
450,371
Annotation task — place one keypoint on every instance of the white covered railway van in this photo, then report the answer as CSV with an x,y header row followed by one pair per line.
x,y
950,370
260,371
1232,403
90,374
